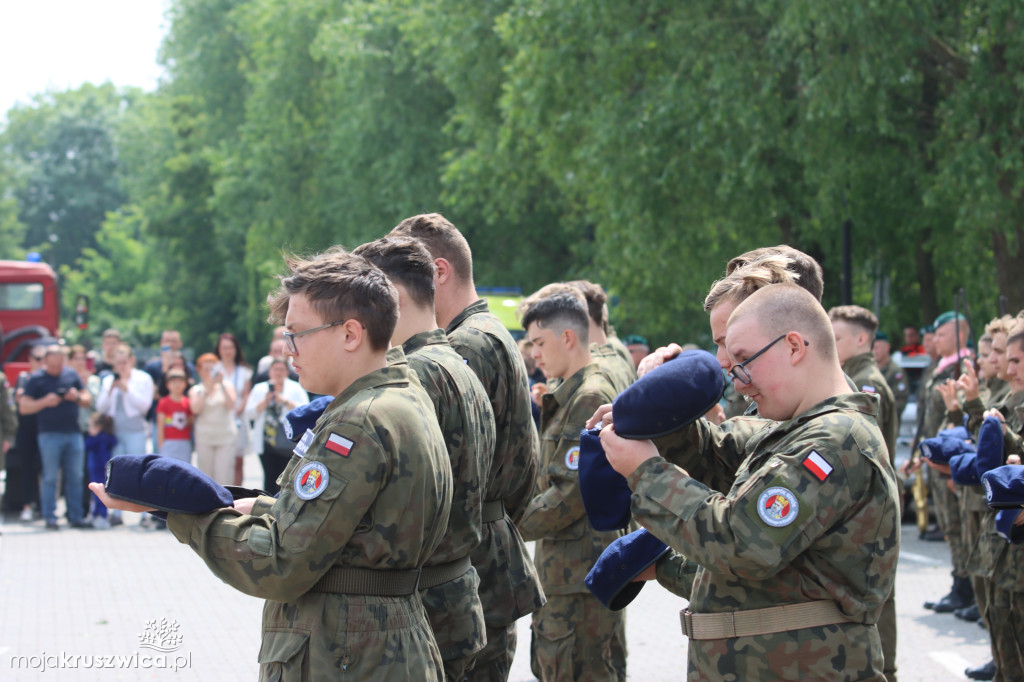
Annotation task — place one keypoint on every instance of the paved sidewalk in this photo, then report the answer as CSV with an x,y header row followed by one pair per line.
x,y
80,593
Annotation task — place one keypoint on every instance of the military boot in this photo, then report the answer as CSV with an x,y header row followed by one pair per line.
x,y
960,597
982,672
970,614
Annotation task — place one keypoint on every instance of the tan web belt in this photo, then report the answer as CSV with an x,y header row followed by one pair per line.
x,y
494,511
760,621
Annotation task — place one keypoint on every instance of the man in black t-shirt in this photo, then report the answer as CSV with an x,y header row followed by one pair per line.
x,y
54,395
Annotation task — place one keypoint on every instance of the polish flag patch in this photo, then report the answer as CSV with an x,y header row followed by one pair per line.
x,y
817,465
336,443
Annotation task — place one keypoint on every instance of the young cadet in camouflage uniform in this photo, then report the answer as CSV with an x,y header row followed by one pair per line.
x,y
509,586
467,423
893,373
574,636
811,521
854,328
364,502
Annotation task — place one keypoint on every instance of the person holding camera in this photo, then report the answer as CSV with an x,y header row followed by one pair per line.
x,y
212,402
126,395
268,403
54,395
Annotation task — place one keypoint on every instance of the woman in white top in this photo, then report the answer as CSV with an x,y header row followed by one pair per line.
x,y
212,402
236,372
268,403
126,395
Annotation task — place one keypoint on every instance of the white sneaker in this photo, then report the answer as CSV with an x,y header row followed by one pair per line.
x,y
26,515
101,523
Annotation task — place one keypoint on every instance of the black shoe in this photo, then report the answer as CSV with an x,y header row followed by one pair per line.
x,y
934,535
982,672
85,525
960,597
969,614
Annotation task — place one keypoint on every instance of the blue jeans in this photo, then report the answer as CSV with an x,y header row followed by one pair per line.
x,y
62,450
130,443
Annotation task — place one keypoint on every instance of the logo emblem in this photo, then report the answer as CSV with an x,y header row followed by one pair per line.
x,y
311,480
777,507
988,489
572,458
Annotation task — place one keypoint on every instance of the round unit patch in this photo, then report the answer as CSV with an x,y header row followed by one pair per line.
x,y
777,507
572,458
311,480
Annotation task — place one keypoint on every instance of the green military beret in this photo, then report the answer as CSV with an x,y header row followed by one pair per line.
x,y
635,339
945,317
927,329
881,336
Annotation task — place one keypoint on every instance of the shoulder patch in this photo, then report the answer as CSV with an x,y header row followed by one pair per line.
x,y
868,389
817,465
778,507
311,480
572,458
303,445
338,444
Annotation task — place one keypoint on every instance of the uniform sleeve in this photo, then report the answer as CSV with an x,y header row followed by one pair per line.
x,y
282,552
561,504
711,453
759,527
676,574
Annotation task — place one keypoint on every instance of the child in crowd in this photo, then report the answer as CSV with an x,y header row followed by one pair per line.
x,y
174,419
99,443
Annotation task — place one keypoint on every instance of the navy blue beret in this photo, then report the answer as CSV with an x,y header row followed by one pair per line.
x,y
1005,527
605,492
960,432
670,396
990,445
611,578
1004,486
963,470
940,448
304,417
164,483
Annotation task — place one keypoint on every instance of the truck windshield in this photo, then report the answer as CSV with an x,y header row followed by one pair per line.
x,y
21,296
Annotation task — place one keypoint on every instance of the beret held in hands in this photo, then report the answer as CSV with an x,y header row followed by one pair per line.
x,y
164,483
611,578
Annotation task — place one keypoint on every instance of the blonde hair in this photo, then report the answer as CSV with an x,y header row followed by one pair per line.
x,y
739,285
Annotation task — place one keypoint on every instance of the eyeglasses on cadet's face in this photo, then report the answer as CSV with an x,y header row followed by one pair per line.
x,y
290,337
739,372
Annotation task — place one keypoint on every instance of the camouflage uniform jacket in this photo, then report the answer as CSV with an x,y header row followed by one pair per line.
x,y
620,372
992,393
467,424
813,514
372,490
509,587
567,546
866,376
934,407
897,380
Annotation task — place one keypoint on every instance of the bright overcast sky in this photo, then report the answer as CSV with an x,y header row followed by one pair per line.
x,y
60,44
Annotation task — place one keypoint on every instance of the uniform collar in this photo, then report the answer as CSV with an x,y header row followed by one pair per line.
x,y
566,388
395,374
434,337
859,363
480,306
865,403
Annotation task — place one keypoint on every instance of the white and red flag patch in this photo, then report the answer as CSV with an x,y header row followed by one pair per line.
x,y
817,465
336,443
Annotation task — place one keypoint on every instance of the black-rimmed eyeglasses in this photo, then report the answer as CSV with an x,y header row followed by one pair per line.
x,y
290,337
739,372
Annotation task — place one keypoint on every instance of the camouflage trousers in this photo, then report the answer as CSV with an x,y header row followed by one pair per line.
x,y
842,652
494,662
576,638
1005,616
332,636
947,512
457,619
887,635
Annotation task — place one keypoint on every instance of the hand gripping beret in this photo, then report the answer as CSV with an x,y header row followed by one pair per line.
x,y
990,446
1004,486
1005,527
955,432
940,448
605,492
670,396
304,417
611,578
164,483
963,469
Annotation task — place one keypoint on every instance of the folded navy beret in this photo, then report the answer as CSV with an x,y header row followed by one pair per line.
x,y
164,483
670,396
963,470
304,417
960,432
611,578
940,448
990,446
1005,527
1004,486
606,495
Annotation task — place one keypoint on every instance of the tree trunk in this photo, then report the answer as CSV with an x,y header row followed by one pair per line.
x,y
1009,264
926,279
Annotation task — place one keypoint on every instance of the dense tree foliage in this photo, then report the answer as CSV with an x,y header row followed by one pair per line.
x,y
636,144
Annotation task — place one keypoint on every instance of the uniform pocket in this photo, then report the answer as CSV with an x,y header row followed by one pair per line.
x,y
554,640
284,656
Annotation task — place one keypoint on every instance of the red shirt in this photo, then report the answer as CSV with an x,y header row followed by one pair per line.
x,y
175,418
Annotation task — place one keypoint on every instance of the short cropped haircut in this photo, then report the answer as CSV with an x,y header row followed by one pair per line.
x,y
406,261
1000,325
742,282
783,308
442,239
1016,333
862,318
546,291
807,270
597,301
340,286
558,312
